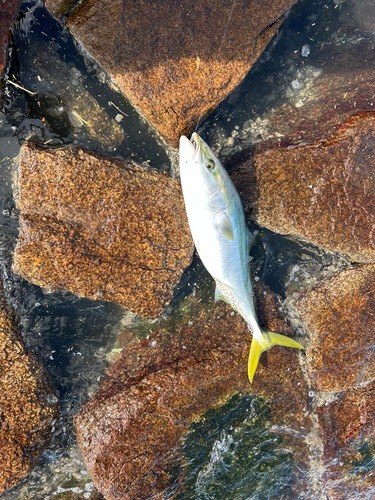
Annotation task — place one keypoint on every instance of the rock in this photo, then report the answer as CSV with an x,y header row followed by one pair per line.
x,y
100,228
60,96
8,13
162,389
28,405
298,99
321,192
347,425
59,7
337,315
332,87
187,72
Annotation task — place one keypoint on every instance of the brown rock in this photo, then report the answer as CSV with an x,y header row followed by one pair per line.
x,y
59,7
8,13
347,425
338,316
28,405
100,228
322,192
131,433
167,57
335,85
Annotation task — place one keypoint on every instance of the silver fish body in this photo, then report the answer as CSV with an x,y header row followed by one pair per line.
x,y
218,227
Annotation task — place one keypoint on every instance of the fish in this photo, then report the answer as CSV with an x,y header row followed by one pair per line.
x,y
218,227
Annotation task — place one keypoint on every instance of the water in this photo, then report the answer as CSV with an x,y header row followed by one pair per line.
x,y
242,458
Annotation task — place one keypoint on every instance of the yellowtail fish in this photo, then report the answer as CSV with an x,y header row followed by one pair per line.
x,y
222,239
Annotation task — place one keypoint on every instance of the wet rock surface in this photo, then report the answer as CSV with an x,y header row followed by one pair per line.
x,y
347,424
131,433
315,82
338,317
322,192
189,72
8,13
28,405
100,228
303,429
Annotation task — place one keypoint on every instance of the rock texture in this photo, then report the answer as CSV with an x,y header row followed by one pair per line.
x,y
61,97
321,192
28,405
336,83
8,13
187,72
131,433
347,426
100,228
338,317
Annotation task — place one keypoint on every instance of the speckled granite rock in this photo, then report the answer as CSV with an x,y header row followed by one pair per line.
x,y
59,7
335,84
8,13
100,228
131,432
183,77
338,316
321,192
28,405
347,425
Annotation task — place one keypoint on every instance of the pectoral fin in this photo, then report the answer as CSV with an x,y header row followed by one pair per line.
x,y
269,339
219,295
250,238
226,227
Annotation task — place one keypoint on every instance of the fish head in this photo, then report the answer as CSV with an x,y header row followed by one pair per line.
x,y
204,180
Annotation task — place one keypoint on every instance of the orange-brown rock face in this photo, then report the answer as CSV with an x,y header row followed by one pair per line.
x,y
167,56
100,228
28,405
322,192
8,13
337,315
132,432
347,425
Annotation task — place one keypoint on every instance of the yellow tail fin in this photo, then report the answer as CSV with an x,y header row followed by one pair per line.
x,y
269,339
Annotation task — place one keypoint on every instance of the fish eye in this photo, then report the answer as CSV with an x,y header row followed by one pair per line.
x,y
210,164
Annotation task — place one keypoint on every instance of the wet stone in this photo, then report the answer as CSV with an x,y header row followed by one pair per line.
x,y
59,7
347,426
61,89
8,13
321,192
134,433
335,84
300,98
187,73
100,228
28,405
338,317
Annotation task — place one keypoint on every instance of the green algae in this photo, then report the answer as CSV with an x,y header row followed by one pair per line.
x,y
231,453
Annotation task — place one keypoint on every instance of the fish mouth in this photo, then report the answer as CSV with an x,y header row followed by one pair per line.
x,y
187,148
195,141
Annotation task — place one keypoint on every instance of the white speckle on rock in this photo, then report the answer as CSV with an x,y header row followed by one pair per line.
x,y
305,50
295,84
153,343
